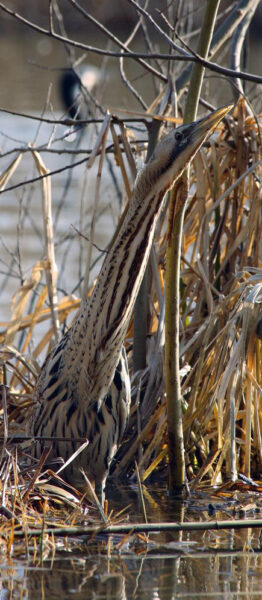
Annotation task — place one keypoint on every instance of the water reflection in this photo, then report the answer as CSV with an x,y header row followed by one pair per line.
x,y
163,565
201,574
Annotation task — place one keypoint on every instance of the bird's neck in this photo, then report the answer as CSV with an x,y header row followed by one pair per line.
x,y
123,268
124,265
104,318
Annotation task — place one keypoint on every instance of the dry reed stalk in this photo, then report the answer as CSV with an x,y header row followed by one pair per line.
x,y
125,133
9,171
120,162
66,305
102,150
5,418
131,528
51,268
20,301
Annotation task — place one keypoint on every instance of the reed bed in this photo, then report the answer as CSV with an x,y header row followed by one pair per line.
x,y
220,319
220,339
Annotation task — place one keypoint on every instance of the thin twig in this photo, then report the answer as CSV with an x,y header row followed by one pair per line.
x,y
137,55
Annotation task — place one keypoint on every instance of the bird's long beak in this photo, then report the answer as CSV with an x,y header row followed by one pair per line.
x,y
174,151
208,124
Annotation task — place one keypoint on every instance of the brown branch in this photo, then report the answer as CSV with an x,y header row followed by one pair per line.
x,y
116,40
83,46
137,55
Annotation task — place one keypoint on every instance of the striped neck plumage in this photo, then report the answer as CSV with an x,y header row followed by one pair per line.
x,y
96,337
101,326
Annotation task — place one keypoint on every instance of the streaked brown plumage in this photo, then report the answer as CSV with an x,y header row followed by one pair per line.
x,y
83,389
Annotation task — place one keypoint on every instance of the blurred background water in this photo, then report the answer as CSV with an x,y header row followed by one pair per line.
x,y
31,68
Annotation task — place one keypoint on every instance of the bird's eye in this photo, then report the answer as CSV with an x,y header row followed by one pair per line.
x,y
178,136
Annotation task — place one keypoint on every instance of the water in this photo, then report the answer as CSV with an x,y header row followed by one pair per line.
x,y
166,566
73,191
225,576
22,246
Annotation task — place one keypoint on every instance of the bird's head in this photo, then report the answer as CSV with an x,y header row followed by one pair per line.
x,y
175,150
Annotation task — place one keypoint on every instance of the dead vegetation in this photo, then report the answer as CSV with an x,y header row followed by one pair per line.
x,y
220,317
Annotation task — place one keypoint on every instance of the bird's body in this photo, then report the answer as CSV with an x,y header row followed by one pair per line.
x,y
84,389
64,416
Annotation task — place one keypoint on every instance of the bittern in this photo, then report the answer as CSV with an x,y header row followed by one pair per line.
x,y
83,390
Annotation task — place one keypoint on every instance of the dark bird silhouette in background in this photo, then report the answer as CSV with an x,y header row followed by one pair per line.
x,y
73,84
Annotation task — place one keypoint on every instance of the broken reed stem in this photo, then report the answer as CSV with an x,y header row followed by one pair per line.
x,y
144,528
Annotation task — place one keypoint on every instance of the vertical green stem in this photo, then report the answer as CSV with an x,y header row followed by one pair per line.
x,y
197,74
176,479
173,390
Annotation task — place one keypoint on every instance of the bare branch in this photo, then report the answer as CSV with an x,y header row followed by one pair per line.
x,y
138,55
